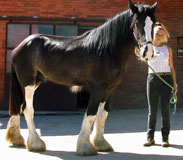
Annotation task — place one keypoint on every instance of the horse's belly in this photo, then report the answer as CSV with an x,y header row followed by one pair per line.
x,y
67,77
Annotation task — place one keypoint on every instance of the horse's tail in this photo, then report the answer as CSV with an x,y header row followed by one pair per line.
x,y
16,95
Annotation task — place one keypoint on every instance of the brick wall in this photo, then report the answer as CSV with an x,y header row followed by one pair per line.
x,y
2,59
133,91
62,8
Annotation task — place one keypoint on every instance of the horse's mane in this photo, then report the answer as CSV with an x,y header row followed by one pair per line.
x,y
107,39
111,36
114,34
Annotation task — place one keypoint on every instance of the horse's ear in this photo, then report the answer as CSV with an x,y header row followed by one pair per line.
x,y
153,7
133,8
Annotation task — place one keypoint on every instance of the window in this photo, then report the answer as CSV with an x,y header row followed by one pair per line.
x,y
16,33
66,30
42,28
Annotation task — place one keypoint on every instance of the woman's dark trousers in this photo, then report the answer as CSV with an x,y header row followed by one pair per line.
x,y
157,89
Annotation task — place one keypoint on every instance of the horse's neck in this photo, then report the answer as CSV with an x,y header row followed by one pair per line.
x,y
124,34
126,51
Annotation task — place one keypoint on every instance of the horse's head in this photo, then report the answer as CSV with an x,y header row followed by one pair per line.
x,y
143,20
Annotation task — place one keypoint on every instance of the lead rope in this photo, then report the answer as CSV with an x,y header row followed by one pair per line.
x,y
173,99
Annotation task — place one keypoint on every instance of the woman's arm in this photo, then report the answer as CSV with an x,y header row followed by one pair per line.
x,y
172,68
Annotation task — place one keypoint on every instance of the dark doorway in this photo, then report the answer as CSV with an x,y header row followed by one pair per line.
x,y
52,97
82,99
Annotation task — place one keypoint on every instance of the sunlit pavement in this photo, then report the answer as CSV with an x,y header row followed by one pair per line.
x,y
125,131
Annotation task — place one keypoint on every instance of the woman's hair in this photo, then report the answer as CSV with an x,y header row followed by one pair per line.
x,y
162,27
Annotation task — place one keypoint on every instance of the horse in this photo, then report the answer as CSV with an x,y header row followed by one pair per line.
x,y
95,61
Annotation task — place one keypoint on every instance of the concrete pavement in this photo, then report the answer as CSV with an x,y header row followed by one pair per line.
x,y
125,130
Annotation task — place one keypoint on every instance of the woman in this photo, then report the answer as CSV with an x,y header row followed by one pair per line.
x,y
162,63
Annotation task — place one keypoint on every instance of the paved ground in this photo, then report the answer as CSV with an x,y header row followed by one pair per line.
x,y
125,130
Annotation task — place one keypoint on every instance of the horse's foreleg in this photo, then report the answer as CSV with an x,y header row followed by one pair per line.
x,y
84,146
99,141
34,142
13,131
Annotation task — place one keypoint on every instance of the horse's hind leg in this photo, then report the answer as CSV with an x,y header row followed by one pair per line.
x,y
34,142
16,101
13,131
99,141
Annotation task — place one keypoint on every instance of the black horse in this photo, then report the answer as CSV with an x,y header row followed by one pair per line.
x,y
95,61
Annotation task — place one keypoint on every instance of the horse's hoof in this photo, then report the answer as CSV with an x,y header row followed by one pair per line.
x,y
86,149
36,146
13,136
102,145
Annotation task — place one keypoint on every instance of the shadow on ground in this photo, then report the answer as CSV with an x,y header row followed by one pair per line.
x,y
110,155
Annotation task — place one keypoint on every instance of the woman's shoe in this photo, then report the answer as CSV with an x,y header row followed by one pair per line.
x,y
165,142
149,142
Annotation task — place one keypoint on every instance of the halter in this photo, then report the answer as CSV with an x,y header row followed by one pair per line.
x,y
144,43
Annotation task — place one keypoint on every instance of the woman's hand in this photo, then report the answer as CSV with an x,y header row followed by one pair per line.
x,y
175,87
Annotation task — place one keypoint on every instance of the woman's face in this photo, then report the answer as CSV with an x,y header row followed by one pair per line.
x,y
159,35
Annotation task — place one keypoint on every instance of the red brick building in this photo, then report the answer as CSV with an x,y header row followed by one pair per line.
x,y
20,18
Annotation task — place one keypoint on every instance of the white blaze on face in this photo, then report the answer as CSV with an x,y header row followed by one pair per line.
x,y
148,29
147,48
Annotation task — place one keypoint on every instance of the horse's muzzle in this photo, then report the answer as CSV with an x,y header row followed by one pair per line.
x,y
146,52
